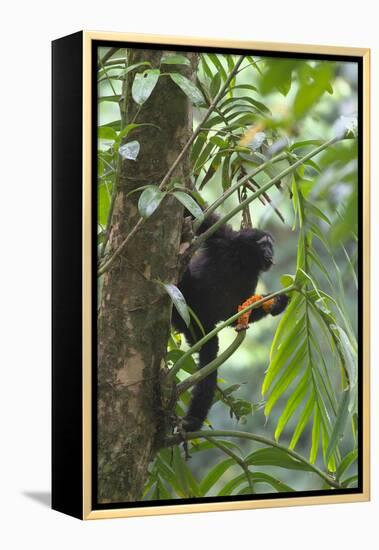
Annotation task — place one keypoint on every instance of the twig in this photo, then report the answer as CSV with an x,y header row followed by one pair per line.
x,y
251,185
176,439
107,77
236,186
210,367
204,236
195,348
173,167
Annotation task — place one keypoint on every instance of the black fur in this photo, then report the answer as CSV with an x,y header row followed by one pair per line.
x,y
220,277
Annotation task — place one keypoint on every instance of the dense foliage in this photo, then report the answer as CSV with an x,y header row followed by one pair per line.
x,y
278,150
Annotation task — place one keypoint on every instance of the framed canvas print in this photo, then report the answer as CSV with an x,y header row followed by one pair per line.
x,y
210,275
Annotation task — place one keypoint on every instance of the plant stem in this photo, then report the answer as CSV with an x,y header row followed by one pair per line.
x,y
173,167
118,167
240,461
253,185
220,327
175,439
237,185
213,365
108,55
204,236
107,77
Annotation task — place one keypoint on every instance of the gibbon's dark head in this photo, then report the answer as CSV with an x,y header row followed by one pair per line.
x,y
259,247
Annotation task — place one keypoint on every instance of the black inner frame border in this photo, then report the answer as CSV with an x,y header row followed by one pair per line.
x,y
95,44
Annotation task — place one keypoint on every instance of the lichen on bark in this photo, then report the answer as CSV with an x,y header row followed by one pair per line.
x,y
134,313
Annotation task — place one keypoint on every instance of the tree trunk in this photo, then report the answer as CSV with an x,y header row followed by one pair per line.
x,y
134,316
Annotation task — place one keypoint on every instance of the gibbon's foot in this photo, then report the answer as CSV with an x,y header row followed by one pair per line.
x,y
280,304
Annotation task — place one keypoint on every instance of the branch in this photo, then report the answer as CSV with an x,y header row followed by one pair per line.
x,y
213,365
108,55
176,439
106,266
240,461
236,186
204,236
216,330
253,185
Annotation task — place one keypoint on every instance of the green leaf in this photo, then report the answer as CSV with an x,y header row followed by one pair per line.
x,y
286,378
189,203
228,489
105,132
244,87
185,477
285,352
168,474
226,181
313,209
143,85
351,481
260,477
130,150
305,143
292,404
214,475
214,58
287,280
278,75
103,202
189,364
149,200
339,426
315,435
205,66
215,85
135,66
111,98
175,59
348,460
350,362
130,127
303,421
197,147
272,456
288,319
219,141
331,463
240,102
188,87
203,157
316,81
178,301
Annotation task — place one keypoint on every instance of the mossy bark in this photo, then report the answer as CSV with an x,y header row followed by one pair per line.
x,y
134,315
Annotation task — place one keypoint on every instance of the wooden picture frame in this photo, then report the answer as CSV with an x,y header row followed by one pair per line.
x,y
77,385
